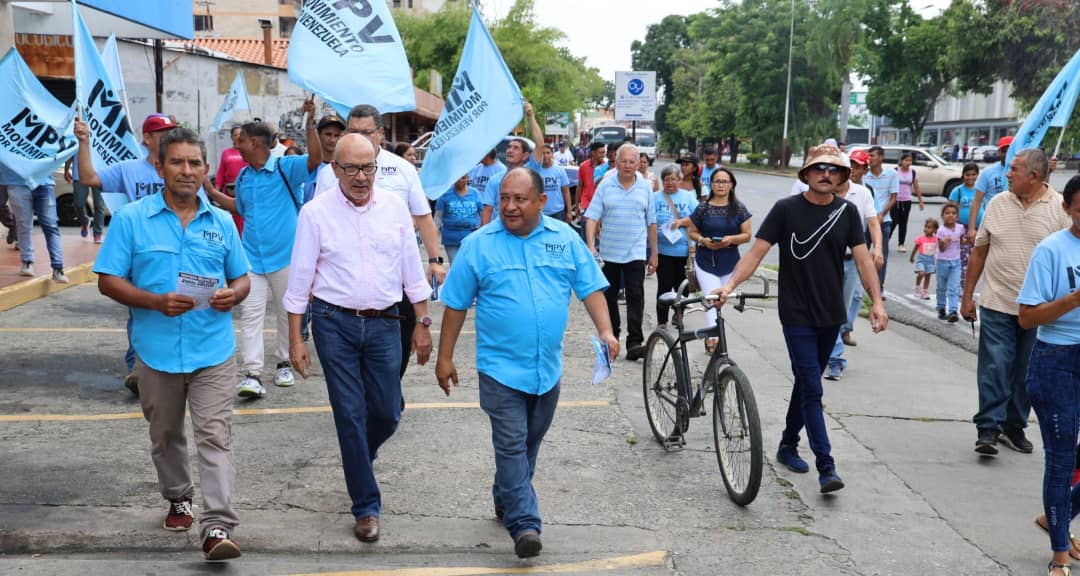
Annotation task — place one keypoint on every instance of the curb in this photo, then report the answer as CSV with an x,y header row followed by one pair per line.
x,y
41,286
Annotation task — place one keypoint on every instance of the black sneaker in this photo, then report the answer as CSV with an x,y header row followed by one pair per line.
x,y
1016,440
954,318
527,544
635,352
941,315
987,442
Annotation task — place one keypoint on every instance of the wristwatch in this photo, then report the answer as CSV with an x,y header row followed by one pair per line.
x,y
435,260
424,321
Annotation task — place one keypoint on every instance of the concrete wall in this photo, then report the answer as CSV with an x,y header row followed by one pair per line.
x,y
975,107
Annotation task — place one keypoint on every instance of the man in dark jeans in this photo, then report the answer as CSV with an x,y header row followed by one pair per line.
x,y
813,231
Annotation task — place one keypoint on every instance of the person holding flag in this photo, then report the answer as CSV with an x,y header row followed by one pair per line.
x,y
518,155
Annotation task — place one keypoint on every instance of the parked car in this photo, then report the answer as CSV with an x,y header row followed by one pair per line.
x,y
986,154
936,176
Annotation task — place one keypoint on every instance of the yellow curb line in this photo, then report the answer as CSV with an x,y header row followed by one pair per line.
x,y
41,286
269,411
656,558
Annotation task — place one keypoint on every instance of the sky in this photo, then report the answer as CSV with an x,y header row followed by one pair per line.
x,y
602,30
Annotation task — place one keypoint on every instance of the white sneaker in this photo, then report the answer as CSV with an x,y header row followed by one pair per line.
x,y
27,269
250,387
59,277
284,376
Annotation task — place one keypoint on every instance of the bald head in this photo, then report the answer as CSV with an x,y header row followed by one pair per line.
x,y
524,179
354,149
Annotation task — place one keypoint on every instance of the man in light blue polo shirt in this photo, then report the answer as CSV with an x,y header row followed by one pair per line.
x,y
625,204
269,193
520,269
177,263
991,182
885,184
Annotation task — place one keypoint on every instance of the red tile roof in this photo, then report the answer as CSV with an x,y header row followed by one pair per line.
x,y
246,49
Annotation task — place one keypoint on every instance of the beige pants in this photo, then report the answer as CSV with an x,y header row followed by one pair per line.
x,y
209,394
265,289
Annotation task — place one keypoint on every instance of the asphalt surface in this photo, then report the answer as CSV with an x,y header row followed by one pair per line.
x,y
78,493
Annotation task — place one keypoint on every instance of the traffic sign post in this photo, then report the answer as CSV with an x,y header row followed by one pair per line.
x,y
635,96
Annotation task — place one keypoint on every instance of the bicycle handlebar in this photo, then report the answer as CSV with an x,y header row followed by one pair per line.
x,y
676,301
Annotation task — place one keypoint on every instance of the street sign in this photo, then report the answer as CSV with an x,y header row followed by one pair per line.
x,y
635,96
557,124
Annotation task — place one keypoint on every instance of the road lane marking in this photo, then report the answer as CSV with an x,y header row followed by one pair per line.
x,y
271,411
655,558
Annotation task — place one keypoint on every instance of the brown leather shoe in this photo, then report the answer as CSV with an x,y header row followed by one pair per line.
x,y
367,529
847,339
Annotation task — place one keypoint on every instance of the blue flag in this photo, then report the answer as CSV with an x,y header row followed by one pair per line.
x,y
349,52
483,106
111,138
110,55
37,131
1053,109
235,99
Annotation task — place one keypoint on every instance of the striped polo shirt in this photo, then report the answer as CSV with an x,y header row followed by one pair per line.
x,y
626,214
1012,233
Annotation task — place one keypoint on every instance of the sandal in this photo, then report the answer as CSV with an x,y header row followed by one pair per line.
x,y
1074,548
1066,569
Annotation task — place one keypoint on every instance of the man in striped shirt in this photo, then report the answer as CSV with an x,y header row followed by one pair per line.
x,y
624,205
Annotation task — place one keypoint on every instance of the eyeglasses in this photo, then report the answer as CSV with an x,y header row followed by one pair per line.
x,y
728,182
832,170
350,170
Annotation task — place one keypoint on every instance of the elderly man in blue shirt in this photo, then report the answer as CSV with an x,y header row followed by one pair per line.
x,y
625,205
177,263
520,269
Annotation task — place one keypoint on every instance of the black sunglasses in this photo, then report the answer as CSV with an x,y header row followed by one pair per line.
x,y
831,169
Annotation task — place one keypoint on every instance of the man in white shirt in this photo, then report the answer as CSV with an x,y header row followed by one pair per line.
x,y
564,157
398,176
863,199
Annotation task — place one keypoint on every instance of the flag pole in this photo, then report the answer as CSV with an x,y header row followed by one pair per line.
x,y
1060,138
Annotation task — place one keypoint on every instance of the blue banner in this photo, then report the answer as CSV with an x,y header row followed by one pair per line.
x,y
349,52
235,99
483,106
110,55
111,137
1053,109
36,130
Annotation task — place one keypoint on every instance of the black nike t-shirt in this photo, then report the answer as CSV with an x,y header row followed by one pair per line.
x,y
812,241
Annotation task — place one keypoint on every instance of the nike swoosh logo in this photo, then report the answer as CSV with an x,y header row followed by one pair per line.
x,y
817,236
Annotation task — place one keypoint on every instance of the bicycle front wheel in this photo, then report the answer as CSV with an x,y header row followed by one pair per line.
x,y
665,388
737,433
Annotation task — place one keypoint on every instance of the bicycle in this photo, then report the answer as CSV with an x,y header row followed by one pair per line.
x,y
670,401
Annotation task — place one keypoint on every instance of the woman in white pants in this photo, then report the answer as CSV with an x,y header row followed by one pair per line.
x,y
718,226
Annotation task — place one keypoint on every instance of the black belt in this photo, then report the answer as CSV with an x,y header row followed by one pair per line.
x,y
389,313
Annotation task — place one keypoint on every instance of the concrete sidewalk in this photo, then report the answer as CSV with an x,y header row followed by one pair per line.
x,y
918,499
16,290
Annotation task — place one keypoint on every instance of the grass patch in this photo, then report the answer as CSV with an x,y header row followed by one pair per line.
x,y
773,267
864,311
796,530
631,440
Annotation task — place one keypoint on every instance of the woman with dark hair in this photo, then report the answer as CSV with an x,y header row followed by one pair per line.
x,y
691,177
718,226
406,151
909,188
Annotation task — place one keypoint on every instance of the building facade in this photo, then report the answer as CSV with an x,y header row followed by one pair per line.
x,y
246,18
963,120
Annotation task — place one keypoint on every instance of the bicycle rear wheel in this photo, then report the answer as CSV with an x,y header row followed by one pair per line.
x,y
665,387
737,433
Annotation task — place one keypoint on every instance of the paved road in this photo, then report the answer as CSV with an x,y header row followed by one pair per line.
x,y
78,492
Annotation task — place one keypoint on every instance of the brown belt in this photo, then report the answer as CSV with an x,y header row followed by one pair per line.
x,y
389,313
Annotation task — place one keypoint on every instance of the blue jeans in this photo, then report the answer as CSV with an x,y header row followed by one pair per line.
x,y
1004,350
1053,385
809,350
948,285
41,201
518,423
886,235
129,356
852,294
360,358
81,192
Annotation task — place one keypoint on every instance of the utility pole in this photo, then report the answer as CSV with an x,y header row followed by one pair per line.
x,y
787,98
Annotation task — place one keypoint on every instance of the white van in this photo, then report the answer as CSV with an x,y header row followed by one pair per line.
x,y
646,142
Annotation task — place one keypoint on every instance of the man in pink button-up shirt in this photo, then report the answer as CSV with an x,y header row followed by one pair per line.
x,y
354,250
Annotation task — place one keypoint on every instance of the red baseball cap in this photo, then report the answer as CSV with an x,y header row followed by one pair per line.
x,y
1005,142
859,157
157,123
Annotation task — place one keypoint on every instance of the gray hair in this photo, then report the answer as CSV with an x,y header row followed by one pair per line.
x,y
671,170
366,111
627,146
180,136
1036,161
